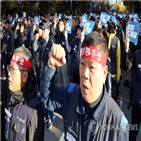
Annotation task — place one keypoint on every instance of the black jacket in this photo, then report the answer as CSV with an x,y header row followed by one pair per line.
x,y
8,39
1,37
78,124
59,37
20,40
42,53
134,60
15,103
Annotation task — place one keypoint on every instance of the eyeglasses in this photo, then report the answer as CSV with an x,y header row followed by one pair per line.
x,y
11,69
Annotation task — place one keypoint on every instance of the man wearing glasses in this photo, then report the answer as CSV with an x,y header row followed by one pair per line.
x,y
23,111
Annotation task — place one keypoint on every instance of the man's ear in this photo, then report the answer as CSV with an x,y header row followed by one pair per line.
x,y
105,71
25,76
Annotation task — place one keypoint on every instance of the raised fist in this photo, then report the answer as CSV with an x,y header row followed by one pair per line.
x,y
57,56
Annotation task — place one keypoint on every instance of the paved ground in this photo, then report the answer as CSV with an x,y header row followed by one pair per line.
x,y
56,131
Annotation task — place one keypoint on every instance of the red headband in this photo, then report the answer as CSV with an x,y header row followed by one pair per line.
x,y
16,58
94,54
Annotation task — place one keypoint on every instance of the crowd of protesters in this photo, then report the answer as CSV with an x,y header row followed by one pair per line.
x,y
54,65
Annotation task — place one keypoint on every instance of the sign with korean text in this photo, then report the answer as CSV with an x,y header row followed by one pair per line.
x,y
69,26
89,25
70,17
84,18
60,16
17,16
19,20
104,18
37,21
24,14
136,17
132,30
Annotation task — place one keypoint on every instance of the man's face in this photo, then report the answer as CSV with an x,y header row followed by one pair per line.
x,y
73,23
79,33
61,26
111,24
16,77
25,21
97,22
6,26
40,32
77,21
55,14
34,26
92,78
45,34
111,28
29,22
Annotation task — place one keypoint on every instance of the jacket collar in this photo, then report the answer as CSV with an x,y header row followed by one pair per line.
x,y
98,113
46,41
110,35
28,91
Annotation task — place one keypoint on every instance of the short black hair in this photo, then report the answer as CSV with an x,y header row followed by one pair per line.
x,y
92,18
96,40
7,21
74,19
40,24
63,20
78,19
22,23
100,30
43,21
80,26
25,18
119,20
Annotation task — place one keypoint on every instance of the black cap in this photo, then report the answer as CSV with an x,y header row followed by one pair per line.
x,y
45,26
7,22
80,26
40,24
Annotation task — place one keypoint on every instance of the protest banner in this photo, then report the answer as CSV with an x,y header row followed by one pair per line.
x,y
60,16
13,22
136,17
37,20
132,30
94,15
17,16
24,14
10,18
84,18
88,27
69,26
70,17
104,18
19,20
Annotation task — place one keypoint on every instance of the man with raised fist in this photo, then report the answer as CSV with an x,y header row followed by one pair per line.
x,y
89,113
